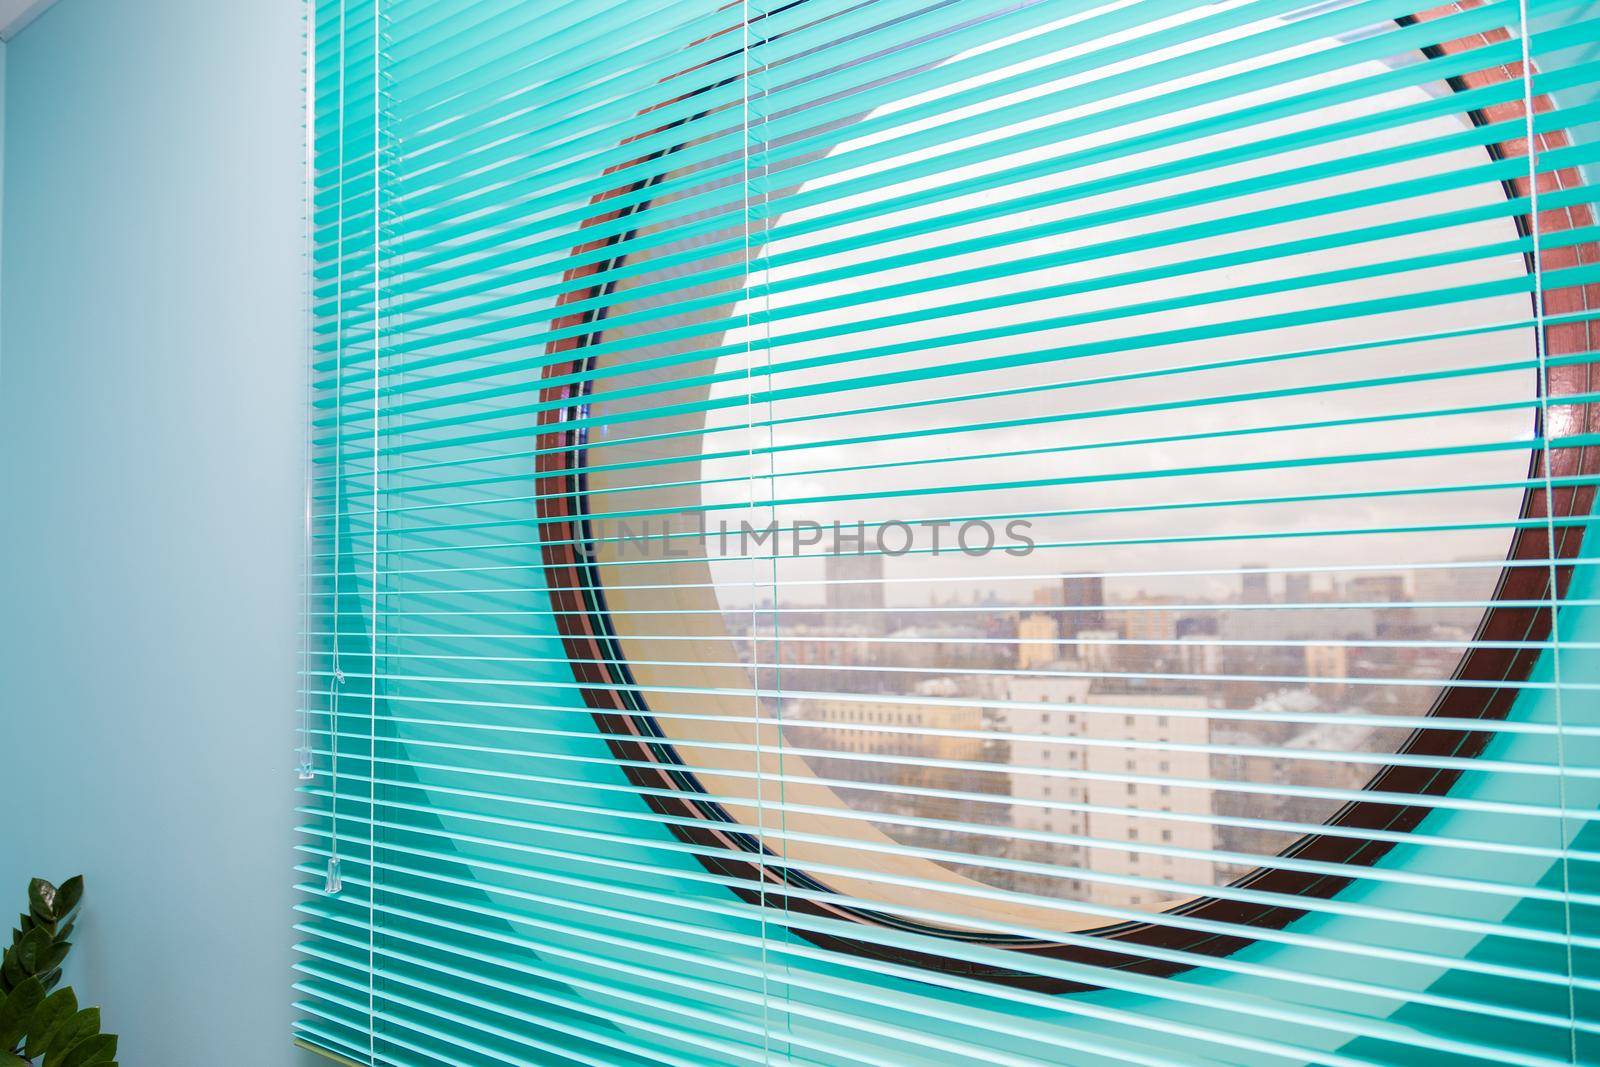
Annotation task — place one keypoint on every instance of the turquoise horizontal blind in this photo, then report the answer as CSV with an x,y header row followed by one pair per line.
x,y
915,532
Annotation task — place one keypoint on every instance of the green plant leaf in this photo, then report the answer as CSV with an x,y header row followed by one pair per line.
x,y
98,1048
54,1010
31,950
18,1012
11,972
53,957
42,899
68,896
85,1024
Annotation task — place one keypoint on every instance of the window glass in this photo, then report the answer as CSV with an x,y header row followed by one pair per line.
x,y
1140,432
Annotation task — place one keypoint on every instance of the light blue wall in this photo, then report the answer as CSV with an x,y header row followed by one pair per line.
x,y
150,381
150,471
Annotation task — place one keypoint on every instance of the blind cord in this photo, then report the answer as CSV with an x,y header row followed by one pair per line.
x,y
333,882
755,630
1541,353
305,766
377,461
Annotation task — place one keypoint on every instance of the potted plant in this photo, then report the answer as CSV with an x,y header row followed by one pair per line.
x,y
40,1024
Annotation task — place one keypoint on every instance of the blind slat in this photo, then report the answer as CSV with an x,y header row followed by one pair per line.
x,y
1274,323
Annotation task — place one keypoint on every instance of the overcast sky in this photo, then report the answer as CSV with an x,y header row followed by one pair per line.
x,y
969,466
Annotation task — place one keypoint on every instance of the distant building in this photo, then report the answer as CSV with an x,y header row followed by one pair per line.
x,y
1084,598
1331,662
1301,623
846,725
1399,623
1150,621
1454,584
945,648
1150,627
1297,588
1125,789
1253,584
1098,650
1301,806
1038,641
1199,654
922,738
1460,584
854,593
1376,588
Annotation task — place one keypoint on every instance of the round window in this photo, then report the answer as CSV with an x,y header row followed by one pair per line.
x,y
1023,528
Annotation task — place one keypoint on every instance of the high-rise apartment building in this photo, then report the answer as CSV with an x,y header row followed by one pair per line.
x,y
1084,598
1082,770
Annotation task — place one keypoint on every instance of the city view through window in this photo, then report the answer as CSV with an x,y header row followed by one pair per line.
x,y
1245,532
1095,709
